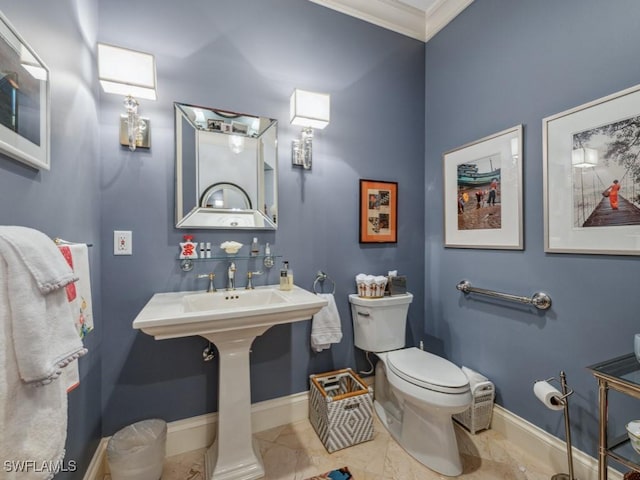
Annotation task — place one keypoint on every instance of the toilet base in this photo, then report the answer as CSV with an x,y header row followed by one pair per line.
x,y
432,443
424,432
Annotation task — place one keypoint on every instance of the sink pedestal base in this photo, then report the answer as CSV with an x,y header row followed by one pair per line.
x,y
234,455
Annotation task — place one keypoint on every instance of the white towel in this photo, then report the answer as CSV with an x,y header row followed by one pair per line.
x,y
33,420
43,331
326,327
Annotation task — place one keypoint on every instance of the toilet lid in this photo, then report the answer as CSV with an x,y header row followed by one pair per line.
x,y
427,370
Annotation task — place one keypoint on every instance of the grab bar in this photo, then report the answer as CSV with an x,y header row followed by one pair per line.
x,y
539,300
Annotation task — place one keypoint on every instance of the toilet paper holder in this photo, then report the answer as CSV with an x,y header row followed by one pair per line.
x,y
564,400
563,387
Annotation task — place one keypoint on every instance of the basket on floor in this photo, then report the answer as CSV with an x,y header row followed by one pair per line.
x,y
340,409
478,416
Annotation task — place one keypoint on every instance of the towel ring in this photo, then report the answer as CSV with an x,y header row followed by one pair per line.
x,y
321,277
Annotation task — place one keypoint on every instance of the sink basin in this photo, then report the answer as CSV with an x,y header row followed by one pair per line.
x,y
247,299
181,314
231,320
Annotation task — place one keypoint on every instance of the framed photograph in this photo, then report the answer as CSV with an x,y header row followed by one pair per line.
x,y
592,177
483,193
378,211
24,100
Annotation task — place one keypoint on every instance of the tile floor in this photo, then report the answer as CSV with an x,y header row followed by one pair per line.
x,y
294,452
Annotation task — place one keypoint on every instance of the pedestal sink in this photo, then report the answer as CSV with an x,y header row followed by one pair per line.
x,y
231,320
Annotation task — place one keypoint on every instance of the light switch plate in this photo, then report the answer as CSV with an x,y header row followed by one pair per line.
x,y
122,242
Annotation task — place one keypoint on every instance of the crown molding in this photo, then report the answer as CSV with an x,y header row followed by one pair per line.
x,y
400,17
441,14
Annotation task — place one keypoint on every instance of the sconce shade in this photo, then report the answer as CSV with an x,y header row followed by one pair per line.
x,y
584,157
310,109
126,72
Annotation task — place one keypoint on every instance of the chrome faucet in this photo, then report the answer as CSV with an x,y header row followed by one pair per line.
x,y
249,280
211,288
231,277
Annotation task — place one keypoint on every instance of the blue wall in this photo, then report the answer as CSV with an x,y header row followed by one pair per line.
x,y
248,56
499,64
65,201
496,65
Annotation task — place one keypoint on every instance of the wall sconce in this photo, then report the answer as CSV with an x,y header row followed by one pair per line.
x,y
584,157
132,74
309,110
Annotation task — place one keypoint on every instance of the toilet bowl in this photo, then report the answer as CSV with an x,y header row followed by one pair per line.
x,y
416,392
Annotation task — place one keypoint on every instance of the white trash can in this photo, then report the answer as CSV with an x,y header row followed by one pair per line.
x,y
137,452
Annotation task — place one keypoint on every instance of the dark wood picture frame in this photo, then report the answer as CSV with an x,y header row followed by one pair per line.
x,y
378,211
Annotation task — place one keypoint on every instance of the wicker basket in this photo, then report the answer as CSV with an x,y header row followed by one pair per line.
x,y
478,416
340,409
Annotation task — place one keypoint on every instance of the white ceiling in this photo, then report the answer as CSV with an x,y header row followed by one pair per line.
x,y
420,19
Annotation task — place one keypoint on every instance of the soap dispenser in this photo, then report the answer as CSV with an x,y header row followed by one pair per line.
x,y
286,277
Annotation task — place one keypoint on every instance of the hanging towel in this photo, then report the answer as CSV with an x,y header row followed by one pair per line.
x,y
326,327
43,332
33,312
79,292
79,298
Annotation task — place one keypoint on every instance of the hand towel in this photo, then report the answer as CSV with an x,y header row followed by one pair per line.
x,y
33,420
79,292
79,297
326,327
43,332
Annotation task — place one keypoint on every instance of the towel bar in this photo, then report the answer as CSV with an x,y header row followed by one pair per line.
x,y
540,300
321,277
60,241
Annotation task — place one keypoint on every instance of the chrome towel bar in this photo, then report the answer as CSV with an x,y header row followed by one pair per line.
x,y
539,300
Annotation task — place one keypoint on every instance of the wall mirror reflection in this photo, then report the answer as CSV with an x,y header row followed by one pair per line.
x,y
226,169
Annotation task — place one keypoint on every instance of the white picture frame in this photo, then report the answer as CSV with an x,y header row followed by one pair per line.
x,y
577,217
487,220
24,100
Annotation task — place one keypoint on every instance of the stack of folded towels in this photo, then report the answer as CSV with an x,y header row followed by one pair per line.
x,y
370,285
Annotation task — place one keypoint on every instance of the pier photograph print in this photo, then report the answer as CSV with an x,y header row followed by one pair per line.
x,y
606,174
483,192
592,176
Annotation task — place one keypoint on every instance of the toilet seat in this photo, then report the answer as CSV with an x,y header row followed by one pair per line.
x,y
426,370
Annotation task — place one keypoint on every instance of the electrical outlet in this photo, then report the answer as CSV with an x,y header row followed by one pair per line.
x,y
122,242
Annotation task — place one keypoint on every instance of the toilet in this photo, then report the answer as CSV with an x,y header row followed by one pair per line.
x,y
416,392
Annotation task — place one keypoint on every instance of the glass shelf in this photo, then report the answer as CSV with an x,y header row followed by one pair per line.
x,y
187,264
231,257
621,374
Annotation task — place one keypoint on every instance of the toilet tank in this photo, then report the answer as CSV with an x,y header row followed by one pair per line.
x,y
379,324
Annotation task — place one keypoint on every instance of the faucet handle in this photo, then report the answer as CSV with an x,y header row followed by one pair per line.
x,y
249,282
210,276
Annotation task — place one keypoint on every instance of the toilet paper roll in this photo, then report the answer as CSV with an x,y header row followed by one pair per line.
x,y
548,394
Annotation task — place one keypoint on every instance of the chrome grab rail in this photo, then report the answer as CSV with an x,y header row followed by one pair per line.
x,y
540,300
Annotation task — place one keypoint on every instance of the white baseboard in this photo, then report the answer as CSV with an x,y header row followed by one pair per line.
x,y
545,446
198,432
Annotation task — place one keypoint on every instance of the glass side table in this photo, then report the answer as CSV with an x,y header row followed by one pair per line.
x,y
623,375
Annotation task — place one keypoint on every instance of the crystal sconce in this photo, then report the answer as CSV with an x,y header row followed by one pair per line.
x,y
309,110
132,74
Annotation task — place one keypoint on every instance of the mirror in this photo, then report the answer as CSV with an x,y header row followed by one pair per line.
x,y
226,169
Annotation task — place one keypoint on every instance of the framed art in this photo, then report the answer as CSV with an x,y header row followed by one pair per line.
x,y
24,100
482,190
378,211
591,171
